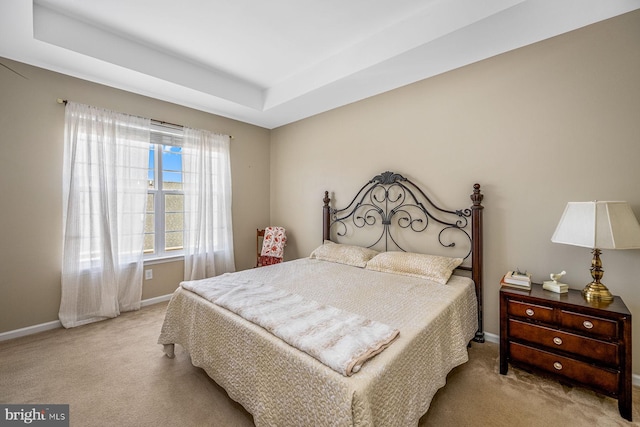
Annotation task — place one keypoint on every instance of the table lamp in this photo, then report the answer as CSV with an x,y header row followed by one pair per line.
x,y
598,225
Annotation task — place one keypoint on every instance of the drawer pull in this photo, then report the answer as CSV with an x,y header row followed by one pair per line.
x,y
530,312
557,365
587,324
557,340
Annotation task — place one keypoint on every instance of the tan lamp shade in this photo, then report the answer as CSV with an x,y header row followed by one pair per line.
x,y
598,225
602,225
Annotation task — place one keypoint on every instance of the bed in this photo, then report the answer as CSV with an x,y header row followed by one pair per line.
x,y
435,314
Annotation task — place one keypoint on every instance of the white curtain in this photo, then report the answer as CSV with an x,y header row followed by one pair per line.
x,y
208,234
105,176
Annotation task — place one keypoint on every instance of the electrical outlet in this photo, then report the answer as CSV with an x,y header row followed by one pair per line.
x,y
148,274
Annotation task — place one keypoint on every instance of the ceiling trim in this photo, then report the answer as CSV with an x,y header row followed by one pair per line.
x,y
442,36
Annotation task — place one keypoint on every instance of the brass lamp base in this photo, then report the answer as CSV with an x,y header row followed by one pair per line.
x,y
597,292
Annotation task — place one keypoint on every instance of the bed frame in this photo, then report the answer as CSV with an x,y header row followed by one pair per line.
x,y
390,197
392,205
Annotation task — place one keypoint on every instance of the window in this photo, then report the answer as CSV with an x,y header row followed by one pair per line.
x,y
113,164
164,220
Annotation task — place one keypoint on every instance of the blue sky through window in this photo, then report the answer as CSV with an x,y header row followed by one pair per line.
x,y
171,163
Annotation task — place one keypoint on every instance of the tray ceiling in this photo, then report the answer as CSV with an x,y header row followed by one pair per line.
x,y
272,63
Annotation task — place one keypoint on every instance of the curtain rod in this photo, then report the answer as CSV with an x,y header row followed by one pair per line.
x,y
64,101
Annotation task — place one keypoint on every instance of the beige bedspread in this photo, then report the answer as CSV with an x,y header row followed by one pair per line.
x,y
343,341
282,386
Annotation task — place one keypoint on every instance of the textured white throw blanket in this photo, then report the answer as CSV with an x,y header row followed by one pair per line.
x,y
341,340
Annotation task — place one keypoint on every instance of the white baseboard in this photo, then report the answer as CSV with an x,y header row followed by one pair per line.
x,y
29,330
635,379
488,336
155,300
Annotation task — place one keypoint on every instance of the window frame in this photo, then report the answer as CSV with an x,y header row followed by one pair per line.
x,y
162,135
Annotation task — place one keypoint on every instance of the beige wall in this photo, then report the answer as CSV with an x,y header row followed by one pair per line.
x,y
31,139
554,122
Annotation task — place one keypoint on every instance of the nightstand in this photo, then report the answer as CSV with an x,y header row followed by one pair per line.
x,y
564,336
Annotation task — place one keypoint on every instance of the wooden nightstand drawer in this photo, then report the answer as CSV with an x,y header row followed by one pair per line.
x,y
596,350
530,311
597,326
565,336
583,373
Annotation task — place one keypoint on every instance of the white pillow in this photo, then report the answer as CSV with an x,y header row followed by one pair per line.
x,y
431,267
343,254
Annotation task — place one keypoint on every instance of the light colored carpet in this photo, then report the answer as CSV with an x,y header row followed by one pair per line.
x,y
114,373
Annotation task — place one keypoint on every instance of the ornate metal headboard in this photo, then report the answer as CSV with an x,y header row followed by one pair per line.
x,y
391,199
